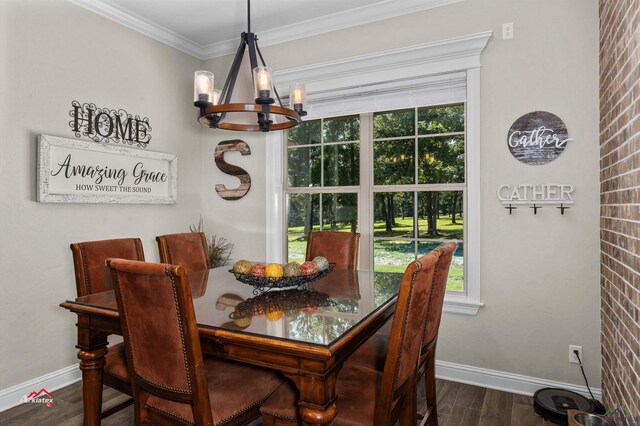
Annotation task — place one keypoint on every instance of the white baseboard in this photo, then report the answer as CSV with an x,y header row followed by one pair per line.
x,y
492,379
10,397
500,380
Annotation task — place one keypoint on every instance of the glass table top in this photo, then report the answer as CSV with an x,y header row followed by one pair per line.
x,y
319,314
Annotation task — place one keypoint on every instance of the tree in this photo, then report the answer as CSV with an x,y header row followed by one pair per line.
x,y
435,155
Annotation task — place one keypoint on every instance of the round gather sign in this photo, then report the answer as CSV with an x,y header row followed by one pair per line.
x,y
537,137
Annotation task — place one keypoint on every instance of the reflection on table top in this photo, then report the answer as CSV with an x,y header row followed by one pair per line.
x,y
318,315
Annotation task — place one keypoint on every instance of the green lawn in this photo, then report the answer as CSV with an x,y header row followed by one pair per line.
x,y
392,256
404,228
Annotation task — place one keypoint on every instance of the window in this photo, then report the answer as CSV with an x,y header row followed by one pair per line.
x,y
443,72
422,150
414,184
323,178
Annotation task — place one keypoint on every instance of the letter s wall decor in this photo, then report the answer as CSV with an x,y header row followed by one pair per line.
x,y
230,169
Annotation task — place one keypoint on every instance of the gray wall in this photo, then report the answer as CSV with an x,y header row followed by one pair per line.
x,y
51,53
539,273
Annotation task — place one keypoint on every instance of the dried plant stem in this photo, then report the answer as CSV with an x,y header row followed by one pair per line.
x,y
219,248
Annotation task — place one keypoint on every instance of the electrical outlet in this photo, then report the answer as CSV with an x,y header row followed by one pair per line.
x,y
572,356
507,31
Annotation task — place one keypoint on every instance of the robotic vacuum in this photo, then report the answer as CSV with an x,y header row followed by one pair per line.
x,y
552,404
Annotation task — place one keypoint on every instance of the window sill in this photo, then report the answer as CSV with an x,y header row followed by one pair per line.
x,y
461,305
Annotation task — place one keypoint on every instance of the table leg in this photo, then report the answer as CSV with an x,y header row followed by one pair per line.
x,y
92,365
317,399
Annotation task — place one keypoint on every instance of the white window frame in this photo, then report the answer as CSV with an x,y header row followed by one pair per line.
x,y
348,82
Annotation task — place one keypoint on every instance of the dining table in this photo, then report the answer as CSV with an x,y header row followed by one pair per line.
x,y
306,332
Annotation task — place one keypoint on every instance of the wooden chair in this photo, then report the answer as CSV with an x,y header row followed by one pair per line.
x,y
188,250
172,383
92,276
340,248
366,396
372,354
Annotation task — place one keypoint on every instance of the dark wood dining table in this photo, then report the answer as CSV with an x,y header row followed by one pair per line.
x,y
307,344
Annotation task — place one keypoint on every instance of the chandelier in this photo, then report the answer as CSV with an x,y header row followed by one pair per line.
x,y
214,104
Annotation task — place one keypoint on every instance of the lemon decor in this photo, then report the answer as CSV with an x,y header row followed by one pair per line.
x,y
273,270
273,315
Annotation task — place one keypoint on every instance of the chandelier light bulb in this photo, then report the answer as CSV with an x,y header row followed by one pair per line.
x,y
203,87
262,83
297,97
216,96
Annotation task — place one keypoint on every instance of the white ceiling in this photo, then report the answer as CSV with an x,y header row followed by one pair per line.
x,y
211,28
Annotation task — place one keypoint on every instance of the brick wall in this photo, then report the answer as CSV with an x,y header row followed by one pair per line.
x,y
620,201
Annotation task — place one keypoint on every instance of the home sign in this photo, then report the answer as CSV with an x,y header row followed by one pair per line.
x,y
75,171
537,137
109,125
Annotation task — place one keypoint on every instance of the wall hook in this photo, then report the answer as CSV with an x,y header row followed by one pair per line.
x,y
535,208
562,208
511,208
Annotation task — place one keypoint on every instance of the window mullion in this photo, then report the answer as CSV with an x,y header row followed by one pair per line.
x,y
415,194
365,200
322,153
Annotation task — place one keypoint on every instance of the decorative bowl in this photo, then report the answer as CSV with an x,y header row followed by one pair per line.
x,y
262,284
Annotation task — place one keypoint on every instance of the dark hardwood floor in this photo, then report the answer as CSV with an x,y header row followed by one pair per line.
x,y
458,405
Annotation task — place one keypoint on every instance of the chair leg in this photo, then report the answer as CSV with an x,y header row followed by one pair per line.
x,y
430,391
409,408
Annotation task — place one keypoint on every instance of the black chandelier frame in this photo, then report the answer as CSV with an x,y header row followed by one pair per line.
x,y
213,115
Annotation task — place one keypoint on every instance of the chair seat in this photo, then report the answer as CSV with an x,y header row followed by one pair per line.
x,y
233,389
356,387
372,354
116,362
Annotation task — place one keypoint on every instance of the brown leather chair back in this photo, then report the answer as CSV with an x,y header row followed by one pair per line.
x,y
92,276
405,339
436,300
161,335
188,250
340,248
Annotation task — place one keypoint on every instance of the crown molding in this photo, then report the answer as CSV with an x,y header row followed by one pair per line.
x,y
411,62
328,23
324,24
143,26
